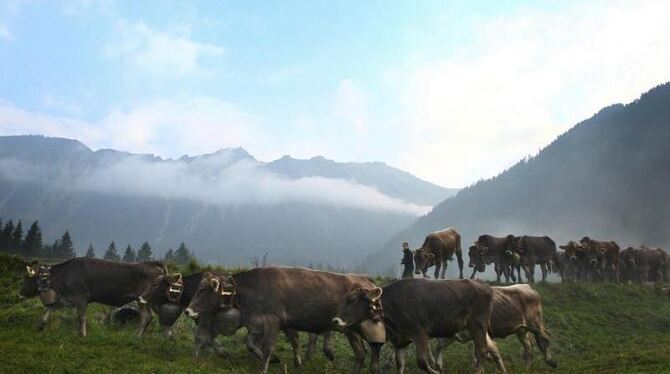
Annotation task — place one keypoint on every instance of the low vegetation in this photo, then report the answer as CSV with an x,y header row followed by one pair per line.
x,y
603,328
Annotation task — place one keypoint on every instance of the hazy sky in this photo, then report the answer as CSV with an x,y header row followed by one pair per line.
x,y
449,91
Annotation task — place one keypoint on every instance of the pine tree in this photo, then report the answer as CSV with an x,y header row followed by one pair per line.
x,y
6,236
129,254
169,255
54,250
32,246
145,254
66,248
111,253
182,256
90,252
16,239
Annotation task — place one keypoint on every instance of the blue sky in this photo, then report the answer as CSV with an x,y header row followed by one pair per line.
x,y
450,91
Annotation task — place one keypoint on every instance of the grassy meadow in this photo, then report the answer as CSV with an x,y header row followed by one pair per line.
x,y
595,328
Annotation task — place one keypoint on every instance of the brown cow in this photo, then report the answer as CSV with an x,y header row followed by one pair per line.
x,y
644,264
271,299
438,249
489,249
535,250
517,309
575,254
416,310
603,258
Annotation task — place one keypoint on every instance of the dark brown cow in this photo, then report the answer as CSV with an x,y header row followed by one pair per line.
x,y
80,281
535,250
438,249
490,249
171,294
517,309
416,310
644,264
575,254
271,299
603,258
561,264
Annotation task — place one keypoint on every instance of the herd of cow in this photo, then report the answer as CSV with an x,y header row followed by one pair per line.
x,y
270,300
586,260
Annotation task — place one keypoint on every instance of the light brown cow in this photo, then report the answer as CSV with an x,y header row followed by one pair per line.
x,y
517,309
438,249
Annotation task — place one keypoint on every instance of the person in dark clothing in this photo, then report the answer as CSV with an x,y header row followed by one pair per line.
x,y
407,261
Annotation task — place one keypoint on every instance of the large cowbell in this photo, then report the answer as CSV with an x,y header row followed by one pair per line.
x,y
373,332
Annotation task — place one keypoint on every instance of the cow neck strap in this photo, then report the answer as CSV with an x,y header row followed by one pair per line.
x,y
228,294
44,285
375,311
175,290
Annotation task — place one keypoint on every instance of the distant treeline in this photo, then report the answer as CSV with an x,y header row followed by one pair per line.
x,y
31,245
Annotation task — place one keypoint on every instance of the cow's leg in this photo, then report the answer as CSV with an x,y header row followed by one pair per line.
x,y
498,271
438,265
544,266
41,324
445,263
294,339
483,345
271,332
145,318
311,346
328,345
442,344
522,335
255,334
375,349
474,271
401,359
81,307
358,347
505,272
422,348
542,340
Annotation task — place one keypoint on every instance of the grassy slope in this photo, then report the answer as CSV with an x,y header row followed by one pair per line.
x,y
595,328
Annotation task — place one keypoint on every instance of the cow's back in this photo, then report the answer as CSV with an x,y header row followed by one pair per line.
x,y
105,282
442,241
303,299
439,307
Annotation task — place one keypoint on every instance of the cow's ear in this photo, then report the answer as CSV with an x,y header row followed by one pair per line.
x,y
485,249
215,284
431,256
563,246
374,294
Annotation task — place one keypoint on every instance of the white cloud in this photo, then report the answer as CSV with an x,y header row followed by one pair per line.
x,y
5,33
159,52
350,106
526,78
165,127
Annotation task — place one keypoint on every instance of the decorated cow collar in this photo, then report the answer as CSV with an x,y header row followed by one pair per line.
x,y
175,289
375,311
48,295
227,292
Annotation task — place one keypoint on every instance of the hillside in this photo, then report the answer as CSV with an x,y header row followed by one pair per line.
x,y
227,206
587,337
607,177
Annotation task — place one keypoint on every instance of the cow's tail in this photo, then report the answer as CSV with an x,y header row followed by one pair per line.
x,y
459,255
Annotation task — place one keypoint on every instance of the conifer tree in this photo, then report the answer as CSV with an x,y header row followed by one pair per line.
x,y
169,255
129,255
6,236
111,253
16,239
66,248
32,246
182,256
145,254
90,252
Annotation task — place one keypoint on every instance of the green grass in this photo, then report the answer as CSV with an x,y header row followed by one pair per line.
x,y
595,328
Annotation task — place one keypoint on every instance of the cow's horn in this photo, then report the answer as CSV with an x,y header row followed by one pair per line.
x,y
178,276
376,293
215,284
28,270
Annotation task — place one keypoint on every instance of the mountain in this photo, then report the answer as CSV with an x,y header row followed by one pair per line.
x,y
227,206
608,177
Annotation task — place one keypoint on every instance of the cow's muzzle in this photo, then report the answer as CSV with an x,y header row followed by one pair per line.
x,y
594,262
573,259
191,313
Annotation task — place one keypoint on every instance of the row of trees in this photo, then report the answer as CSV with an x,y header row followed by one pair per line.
x,y
31,245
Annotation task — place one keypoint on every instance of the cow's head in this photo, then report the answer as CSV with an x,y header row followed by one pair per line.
x,y
423,260
29,288
573,251
358,305
628,257
477,254
165,289
214,293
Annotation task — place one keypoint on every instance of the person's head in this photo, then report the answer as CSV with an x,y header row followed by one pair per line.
x,y
405,246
